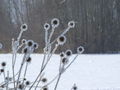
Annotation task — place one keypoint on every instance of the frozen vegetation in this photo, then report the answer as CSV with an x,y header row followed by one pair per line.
x,y
16,78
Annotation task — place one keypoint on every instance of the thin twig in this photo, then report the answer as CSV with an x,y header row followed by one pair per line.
x,y
21,69
39,81
13,56
63,33
51,34
71,62
7,80
39,72
59,76
25,73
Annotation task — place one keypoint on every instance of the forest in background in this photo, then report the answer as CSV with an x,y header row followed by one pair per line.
x,y
97,23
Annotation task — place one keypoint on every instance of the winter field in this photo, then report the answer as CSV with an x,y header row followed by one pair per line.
x,y
89,72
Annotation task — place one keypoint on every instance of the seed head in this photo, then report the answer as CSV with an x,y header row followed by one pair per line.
x,y
44,80
29,60
71,24
62,54
24,79
30,43
24,27
25,50
68,53
80,50
64,60
1,70
74,87
27,83
61,40
46,26
2,86
45,88
3,64
55,22
24,41
35,45
21,86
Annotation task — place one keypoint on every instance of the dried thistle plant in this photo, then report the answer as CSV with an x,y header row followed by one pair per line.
x,y
18,80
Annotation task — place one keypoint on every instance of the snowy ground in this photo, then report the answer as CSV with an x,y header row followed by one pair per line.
x,y
89,72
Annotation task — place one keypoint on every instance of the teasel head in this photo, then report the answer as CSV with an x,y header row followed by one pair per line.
x,y
24,79
35,45
71,24
25,50
64,61
45,88
68,53
2,86
21,86
46,26
29,59
27,83
61,40
30,43
24,27
62,54
2,70
44,80
55,22
8,78
24,41
74,87
80,49
3,64
45,49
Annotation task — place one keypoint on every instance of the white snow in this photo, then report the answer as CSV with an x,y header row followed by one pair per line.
x,y
89,72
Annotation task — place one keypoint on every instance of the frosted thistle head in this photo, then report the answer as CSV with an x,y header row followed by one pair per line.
x,y
74,87
8,78
24,27
61,40
44,80
24,41
68,53
65,61
46,26
71,24
55,22
3,64
21,86
30,43
25,50
29,59
2,86
80,49
35,45
1,70
46,49
45,88
27,83
62,54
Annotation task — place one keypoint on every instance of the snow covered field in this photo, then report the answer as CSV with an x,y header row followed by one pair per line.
x,y
89,72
